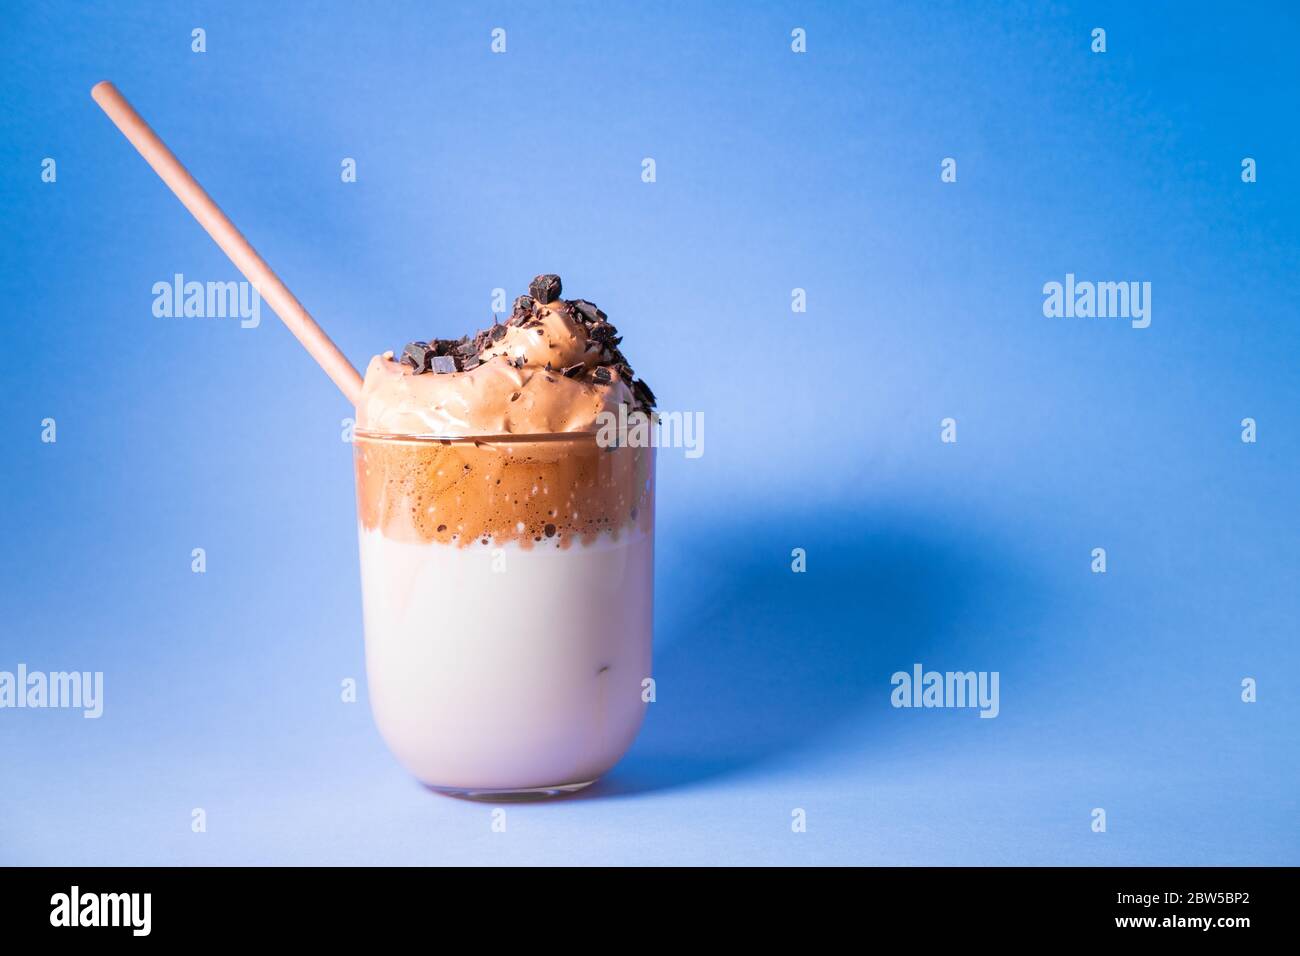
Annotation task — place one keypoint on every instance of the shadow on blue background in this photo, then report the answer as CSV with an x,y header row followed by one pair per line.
x,y
761,665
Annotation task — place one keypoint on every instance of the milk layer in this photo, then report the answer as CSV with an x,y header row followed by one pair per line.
x,y
505,667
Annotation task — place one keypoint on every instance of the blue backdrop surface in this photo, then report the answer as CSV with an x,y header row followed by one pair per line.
x,y
775,170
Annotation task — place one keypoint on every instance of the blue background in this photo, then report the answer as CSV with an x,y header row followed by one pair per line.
x,y
775,171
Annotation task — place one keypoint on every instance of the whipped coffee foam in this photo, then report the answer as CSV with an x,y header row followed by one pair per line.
x,y
553,366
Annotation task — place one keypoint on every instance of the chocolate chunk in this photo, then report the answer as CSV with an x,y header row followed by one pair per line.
x,y
643,394
550,531
522,315
498,331
545,288
416,355
601,376
442,364
604,333
469,362
573,371
519,361
588,310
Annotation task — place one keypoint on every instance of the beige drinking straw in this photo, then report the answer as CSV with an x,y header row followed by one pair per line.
x,y
232,243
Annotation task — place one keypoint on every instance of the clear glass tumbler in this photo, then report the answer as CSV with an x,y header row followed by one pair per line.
x,y
508,592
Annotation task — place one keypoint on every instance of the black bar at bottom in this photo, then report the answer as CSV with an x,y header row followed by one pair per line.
x,y
218,904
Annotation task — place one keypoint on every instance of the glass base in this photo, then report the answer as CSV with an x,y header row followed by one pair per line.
x,y
529,795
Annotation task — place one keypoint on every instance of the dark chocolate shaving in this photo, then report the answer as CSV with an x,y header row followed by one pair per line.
x,y
604,333
588,310
641,391
416,355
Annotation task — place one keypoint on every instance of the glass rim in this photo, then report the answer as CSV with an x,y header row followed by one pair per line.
x,y
501,439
